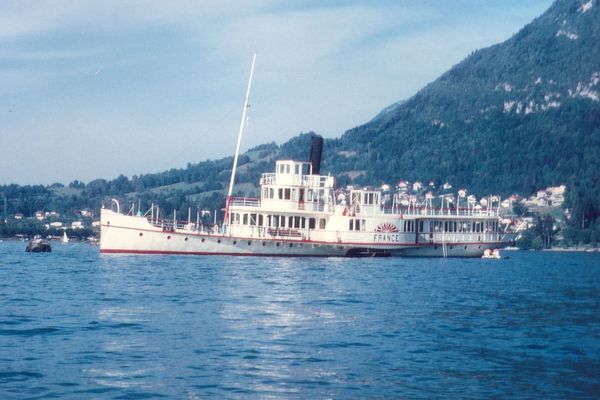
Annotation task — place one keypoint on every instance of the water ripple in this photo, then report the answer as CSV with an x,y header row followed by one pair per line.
x,y
86,326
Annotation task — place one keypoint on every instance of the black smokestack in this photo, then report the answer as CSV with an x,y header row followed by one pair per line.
x,y
316,149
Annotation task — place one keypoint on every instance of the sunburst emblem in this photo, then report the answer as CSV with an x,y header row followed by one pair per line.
x,y
386,227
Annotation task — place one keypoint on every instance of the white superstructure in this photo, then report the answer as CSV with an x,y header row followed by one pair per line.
x,y
299,214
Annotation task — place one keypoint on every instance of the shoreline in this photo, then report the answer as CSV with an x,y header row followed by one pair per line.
x,y
581,249
574,249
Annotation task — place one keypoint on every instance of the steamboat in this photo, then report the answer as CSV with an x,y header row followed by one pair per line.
x,y
299,212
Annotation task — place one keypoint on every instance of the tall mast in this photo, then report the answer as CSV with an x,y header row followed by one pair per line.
x,y
239,141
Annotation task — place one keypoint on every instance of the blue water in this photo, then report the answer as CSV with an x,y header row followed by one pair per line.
x,y
79,325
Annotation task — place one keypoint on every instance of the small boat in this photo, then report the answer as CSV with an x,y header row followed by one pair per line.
x,y
38,245
495,254
65,238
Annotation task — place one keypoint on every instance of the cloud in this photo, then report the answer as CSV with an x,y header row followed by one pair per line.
x,y
173,73
27,17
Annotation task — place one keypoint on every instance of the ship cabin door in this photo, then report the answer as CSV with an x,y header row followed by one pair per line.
x,y
301,199
417,233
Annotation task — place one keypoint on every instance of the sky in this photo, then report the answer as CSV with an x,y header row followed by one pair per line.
x,y
94,89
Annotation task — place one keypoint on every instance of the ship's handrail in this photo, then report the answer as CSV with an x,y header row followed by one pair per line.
x,y
314,180
267,178
168,226
244,202
283,232
441,212
270,178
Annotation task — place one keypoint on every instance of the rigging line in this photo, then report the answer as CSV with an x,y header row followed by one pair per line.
x,y
176,156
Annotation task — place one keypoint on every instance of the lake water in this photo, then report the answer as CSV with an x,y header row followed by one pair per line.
x,y
79,325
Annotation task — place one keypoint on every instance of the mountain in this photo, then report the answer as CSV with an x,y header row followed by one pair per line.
x,y
512,118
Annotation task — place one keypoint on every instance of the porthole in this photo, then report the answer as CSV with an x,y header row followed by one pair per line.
x,y
249,243
435,248
465,247
277,244
203,240
168,237
291,245
234,242
450,247
264,243
219,241
141,234
186,239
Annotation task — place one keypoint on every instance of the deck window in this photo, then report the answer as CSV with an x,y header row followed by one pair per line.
x,y
356,224
311,223
321,223
370,198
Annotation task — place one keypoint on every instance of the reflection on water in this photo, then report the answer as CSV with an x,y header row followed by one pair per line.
x,y
76,324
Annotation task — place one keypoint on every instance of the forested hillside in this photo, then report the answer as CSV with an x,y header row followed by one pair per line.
x,y
515,117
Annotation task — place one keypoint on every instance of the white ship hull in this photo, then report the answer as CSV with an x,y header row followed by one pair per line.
x,y
136,235
129,234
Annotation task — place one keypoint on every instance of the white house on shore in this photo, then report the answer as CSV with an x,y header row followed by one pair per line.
x,y
77,225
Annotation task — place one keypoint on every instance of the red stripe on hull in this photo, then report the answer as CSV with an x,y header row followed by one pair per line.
x,y
206,253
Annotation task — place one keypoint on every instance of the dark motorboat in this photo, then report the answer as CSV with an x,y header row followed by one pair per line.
x,y
38,245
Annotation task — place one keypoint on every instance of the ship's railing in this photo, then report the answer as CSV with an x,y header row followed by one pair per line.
x,y
314,180
442,212
283,232
171,226
244,202
267,179
457,238
307,180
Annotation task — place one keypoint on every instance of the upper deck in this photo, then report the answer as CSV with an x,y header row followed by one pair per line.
x,y
295,174
292,188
